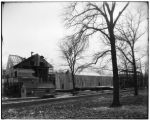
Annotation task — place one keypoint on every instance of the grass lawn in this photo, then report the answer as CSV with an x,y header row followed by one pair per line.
x,y
96,107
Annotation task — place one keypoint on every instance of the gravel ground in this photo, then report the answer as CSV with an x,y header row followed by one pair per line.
x,y
96,107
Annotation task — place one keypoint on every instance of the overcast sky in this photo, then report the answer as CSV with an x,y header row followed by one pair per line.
x,y
36,27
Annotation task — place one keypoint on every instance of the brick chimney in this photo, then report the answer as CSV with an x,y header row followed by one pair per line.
x,y
32,53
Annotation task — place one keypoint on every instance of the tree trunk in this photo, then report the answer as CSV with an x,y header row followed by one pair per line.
x,y
127,79
126,68
135,76
116,101
73,82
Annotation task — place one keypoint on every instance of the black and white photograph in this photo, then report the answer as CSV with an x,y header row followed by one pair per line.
x,y
74,59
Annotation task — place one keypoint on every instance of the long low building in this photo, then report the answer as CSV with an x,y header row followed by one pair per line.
x,y
64,81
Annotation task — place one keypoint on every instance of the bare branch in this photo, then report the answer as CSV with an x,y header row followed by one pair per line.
x,y
99,55
72,48
120,13
124,54
106,4
102,13
97,29
113,6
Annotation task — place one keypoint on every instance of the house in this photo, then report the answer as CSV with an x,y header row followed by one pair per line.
x,y
32,74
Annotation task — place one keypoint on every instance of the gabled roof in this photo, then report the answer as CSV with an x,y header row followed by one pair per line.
x,y
37,59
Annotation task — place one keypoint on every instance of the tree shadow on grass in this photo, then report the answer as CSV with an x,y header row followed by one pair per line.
x,y
135,100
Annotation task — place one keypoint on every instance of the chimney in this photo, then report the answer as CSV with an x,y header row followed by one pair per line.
x,y
32,53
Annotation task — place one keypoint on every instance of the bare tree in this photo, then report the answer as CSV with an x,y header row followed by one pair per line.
x,y
98,17
123,66
72,48
129,34
139,67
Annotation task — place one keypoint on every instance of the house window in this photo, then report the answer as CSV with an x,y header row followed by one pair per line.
x,y
11,74
15,73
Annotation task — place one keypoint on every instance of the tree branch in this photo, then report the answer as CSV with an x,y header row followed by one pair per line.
x,y
124,54
120,14
97,29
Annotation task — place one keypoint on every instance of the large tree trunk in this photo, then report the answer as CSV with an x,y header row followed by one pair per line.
x,y
73,82
126,75
135,76
116,101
